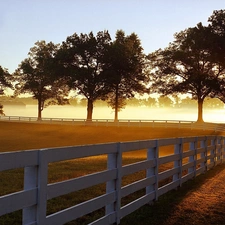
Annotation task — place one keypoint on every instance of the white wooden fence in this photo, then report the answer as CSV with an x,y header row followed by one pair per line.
x,y
195,155
121,123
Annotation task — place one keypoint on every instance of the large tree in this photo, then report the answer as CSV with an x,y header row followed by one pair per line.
x,y
125,70
36,76
5,82
217,25
188,65
82,60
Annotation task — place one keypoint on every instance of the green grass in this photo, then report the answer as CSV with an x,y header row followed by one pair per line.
x,y
24,136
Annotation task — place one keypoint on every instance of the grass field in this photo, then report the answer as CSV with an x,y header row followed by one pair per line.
x,y
24,136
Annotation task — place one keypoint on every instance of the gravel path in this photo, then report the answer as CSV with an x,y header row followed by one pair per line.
x,y
202,206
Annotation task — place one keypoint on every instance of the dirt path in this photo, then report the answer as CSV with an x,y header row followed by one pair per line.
x,y
202,206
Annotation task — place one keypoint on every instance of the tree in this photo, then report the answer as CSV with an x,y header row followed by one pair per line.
x,y
4,83
36,76
82,60
150,102
188,103
125,70
187,66
134,102
177,101
165,101
213,103
217,25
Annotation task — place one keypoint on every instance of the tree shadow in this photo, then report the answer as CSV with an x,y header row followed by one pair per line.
x,y
161,211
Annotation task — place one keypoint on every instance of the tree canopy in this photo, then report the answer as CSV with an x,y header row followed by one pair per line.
x,y
82,59
5,80
36,76
125,70
188,65
99,68
4,83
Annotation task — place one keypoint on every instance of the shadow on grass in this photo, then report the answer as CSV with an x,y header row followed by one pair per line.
x,y
161,210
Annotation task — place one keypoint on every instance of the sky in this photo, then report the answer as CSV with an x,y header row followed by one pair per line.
x,y
24,22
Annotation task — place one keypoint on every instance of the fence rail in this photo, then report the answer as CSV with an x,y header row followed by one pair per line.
x,y
121,123
191,157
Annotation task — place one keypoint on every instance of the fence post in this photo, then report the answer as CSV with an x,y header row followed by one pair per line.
x,y
192,158
153,154
42,188
115,162
212,151
30,181
218,150
178,149
203,144
222,149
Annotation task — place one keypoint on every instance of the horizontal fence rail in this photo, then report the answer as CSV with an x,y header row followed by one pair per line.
x,y
121,123
191,156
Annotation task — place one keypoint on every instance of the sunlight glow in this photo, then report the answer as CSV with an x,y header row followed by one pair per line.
x,y
129,113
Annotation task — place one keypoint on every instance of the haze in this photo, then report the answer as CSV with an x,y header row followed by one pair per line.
x,y
132,113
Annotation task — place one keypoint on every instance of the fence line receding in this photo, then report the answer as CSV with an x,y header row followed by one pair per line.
x,y
191,156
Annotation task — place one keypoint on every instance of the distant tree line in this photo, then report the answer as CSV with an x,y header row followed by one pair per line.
x,y
150,102
99,68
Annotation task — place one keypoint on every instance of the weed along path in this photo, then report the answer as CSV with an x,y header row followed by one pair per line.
x,y
200,201
204,205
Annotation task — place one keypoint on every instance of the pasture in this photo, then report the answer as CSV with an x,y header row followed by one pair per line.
x,y
24,136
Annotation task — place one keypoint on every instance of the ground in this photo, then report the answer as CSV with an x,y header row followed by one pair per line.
x,y
204,205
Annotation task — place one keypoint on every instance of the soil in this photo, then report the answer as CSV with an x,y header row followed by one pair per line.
x,y
203,206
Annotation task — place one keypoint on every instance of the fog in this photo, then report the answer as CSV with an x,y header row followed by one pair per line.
x,y
140,113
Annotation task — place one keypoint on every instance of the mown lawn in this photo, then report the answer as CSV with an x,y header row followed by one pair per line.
x,y
23,136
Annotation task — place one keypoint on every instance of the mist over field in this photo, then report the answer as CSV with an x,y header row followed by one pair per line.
x,y
132,113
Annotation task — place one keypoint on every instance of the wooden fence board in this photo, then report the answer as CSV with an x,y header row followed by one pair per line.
x,y
15,201
135,167
76,184
204,153
81,209
131,207
138,185
20,159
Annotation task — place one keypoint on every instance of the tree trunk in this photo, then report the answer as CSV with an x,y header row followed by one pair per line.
x,y
89,110
1,110
200,110
116,104
39,109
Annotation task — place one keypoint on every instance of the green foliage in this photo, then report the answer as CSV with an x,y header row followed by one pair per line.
x,y
82,60
188,65
36,76
5,80
125,70
217,25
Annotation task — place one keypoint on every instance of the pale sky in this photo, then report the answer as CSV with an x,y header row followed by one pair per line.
x,y
23,22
